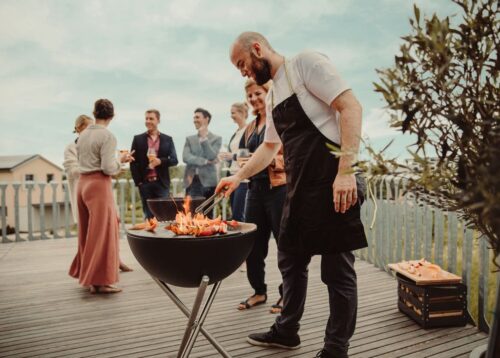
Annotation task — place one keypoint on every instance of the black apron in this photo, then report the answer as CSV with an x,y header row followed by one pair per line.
x,y
309,223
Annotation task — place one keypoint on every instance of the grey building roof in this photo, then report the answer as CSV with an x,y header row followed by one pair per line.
x,y
10,162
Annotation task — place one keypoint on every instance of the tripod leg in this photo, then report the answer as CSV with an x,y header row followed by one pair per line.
x,y
192,318
199,323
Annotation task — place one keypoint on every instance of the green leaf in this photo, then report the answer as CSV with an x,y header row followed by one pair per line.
x,y
417,13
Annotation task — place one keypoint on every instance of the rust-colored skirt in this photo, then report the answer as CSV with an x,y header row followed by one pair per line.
x,y
97,260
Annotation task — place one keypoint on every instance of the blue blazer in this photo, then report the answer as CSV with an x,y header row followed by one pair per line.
x,y
166,154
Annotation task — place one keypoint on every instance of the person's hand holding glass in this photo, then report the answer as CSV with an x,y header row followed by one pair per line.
x,y
242,156
224,158
152,158
126,156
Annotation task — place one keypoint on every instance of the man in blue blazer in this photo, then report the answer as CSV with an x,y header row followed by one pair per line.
x,y
200,155
151,176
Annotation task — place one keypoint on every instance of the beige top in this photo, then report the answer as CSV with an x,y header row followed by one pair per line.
x,y
96,150
71,167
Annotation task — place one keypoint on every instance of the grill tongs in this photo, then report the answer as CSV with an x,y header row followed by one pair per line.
x,y
209,204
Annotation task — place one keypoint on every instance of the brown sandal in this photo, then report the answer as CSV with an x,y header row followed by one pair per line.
x,y
104,289
245,305
125,268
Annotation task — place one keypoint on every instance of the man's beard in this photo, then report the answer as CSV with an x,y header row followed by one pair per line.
x,y
261,69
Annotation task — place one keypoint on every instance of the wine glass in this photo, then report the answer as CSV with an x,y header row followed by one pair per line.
x,y
151,156
242,156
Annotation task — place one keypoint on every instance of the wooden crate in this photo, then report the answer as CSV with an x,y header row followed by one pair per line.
x,y
433,305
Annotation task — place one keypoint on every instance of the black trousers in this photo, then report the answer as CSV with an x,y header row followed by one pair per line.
x,y
263,208
337,272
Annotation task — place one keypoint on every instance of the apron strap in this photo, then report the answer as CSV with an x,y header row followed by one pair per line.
x,y
289,85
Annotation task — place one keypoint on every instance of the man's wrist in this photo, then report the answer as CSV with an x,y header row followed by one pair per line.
x,y
239,176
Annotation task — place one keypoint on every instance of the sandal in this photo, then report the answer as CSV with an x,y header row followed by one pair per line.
x,y
104,289
277,307
245,305
125,268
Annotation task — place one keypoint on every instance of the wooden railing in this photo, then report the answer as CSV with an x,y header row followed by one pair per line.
x,y
398,227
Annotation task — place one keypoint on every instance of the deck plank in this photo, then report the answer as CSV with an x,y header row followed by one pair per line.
x,y
44,313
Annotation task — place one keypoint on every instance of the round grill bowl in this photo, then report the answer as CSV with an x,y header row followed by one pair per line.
x,y
182,260
165,208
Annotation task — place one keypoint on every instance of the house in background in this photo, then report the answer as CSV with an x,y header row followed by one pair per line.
x,y
26,170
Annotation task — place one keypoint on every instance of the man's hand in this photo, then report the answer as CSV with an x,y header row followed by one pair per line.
x,y
154,163
345,194
228,185
126,156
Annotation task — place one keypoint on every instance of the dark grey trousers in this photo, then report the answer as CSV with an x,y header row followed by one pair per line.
x,y
337,272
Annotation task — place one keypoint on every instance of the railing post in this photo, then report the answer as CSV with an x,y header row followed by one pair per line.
x,y
438,237
3,213
417,242
121,184
380,225
388,228
374,231
55,211
67,216
398,212
467,260
16,186
42,210
452,242
484,259
428,232
406,220
494,339
29,187
132,198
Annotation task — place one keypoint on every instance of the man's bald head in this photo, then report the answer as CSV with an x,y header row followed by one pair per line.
x,y
248,38
251,53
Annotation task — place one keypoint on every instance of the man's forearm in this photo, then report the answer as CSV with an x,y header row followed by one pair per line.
x,y
262,157
350,127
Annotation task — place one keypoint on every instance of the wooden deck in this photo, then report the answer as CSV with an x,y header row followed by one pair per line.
x,y
44,313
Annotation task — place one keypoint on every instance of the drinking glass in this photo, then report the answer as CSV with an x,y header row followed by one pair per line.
x,y
151,156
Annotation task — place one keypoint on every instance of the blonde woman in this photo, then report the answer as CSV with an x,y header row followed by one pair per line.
x,y
239,114
70,163
97,261
265,198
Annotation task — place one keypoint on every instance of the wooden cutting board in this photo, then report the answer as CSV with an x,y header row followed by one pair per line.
x,y
444,277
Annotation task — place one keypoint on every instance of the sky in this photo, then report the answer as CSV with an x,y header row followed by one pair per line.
x,y
58,57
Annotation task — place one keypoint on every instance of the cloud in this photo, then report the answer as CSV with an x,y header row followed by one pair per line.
x,y
376,125
58,57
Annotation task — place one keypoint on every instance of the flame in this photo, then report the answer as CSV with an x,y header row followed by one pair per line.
x,y
198,225
187,204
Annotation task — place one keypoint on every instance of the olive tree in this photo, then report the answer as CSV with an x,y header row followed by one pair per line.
x,y
443,91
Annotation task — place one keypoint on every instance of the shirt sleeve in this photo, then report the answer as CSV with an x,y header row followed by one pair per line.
x,y
270,135
320,76
70,163
109,164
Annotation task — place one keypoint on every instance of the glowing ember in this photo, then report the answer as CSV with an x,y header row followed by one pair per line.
x,y
198,225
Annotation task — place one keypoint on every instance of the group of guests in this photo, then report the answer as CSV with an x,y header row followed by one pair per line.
x,y
90,162
283,177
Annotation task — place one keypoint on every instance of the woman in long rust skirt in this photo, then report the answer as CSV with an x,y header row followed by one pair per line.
x,y
97,261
